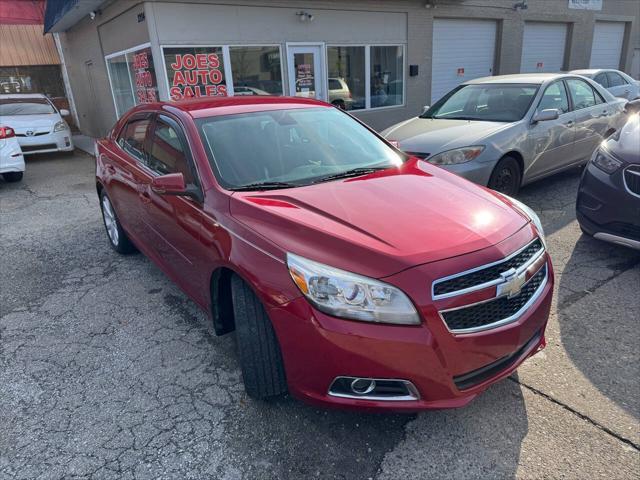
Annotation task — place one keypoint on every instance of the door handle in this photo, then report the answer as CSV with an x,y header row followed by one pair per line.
x,y
569,123
145,197
110,169
604,113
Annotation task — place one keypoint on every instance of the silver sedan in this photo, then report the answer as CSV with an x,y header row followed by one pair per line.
x,y
509,130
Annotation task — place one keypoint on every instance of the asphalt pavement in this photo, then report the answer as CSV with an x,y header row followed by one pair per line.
x,y
107,370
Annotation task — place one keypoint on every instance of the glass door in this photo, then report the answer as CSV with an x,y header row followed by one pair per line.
x,y
306,77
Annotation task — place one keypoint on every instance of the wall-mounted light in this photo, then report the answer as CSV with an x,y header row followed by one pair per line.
x,y
521,5
305,16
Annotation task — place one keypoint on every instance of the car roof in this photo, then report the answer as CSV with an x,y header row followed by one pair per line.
x,y
535,78
22,95
214,106
588,71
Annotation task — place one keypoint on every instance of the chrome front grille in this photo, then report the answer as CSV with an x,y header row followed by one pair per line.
x,y
487,275
517,280
503,309
632,179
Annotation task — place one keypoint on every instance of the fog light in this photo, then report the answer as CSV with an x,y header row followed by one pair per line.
x,y
364,388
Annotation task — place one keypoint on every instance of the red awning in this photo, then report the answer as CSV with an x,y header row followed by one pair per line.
x,y
21,12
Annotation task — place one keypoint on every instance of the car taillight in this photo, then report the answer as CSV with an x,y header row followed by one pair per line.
x,y
7,132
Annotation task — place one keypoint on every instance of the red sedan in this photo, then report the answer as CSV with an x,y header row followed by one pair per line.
x,y
353,274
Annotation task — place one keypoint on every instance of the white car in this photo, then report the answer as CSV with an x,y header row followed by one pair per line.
x,y
11,158
38,125
618,83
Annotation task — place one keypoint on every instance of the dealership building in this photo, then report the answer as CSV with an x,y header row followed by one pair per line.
x,y
381,60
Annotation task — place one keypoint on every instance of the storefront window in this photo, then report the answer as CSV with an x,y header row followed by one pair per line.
x,y
256,70
347,77
45,79
195,72
386,76
133,79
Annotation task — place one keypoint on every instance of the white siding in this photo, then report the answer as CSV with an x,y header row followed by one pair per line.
x,y
461,44
543,47
607,45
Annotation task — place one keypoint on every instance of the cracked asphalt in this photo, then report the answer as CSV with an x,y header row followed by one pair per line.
x,y
108,371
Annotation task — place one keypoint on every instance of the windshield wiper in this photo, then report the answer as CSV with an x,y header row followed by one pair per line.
x,y
264,186
354,172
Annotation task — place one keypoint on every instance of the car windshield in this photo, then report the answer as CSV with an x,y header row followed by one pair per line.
x,y
491,102
292,147
25,106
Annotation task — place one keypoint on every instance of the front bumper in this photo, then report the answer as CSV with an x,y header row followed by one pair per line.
x,y
606,209
50,142
478,172
317,348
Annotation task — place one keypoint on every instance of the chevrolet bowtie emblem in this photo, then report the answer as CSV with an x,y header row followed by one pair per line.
x,y
512,283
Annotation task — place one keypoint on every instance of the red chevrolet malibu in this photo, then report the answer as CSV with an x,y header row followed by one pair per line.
x,y
353,275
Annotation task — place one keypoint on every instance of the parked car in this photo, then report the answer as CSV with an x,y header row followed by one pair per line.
x,y
11,158
38,124
608,204
243,90
339,93
509,130
353,274
618,83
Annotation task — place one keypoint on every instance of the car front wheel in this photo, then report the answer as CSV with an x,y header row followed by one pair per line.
x,y
117,237
506,176
258,347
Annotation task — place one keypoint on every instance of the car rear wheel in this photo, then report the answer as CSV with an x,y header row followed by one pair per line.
x,y
11,177
117,237
506,176
258,347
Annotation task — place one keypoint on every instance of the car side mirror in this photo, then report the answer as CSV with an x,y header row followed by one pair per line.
x,y
546,115
64,112
632,107
424,109
174,184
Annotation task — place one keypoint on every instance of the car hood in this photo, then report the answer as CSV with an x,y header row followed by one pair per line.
x,y
430,135
381,223
626,143
21,123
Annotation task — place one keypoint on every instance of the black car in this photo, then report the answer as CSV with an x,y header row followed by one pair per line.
x,y
608,205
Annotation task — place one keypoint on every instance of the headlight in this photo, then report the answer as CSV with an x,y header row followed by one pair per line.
x,y
605,161
458,155
347,295
533,216
60,126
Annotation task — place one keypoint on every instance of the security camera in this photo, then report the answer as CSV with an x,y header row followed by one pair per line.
x,y
92,15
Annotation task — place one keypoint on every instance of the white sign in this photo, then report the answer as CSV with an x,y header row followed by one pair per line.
x,y
586,4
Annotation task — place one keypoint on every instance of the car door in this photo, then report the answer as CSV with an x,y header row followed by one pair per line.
x,y
618,86
591,116
175,222
551,142
125,171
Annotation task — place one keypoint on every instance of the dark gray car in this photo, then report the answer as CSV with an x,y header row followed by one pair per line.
x,y
509,130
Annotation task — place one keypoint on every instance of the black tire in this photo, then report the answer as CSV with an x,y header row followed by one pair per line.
x,y
11,177
506,176
115,234
258,348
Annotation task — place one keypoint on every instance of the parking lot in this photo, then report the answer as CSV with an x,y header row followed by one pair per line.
x,y
108,371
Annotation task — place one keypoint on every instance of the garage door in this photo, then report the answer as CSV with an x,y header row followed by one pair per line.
x,y
607,45
543,47
462,50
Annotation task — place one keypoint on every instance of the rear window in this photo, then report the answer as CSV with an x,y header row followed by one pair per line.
x,y
25,106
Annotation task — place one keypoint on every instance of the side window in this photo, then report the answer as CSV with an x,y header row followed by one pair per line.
x,y
334,84
167,154
615,79
582,94
601,78
132,137
555,96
